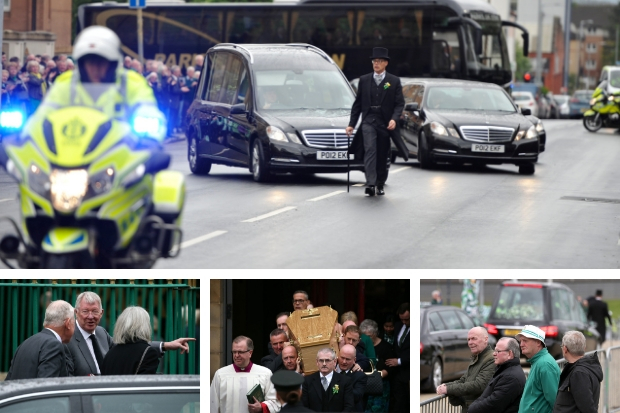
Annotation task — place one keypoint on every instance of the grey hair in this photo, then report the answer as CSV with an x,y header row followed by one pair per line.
x,y
369,327
302,292
132,325
575,342
329,350
32,63
89,297
56,313
512,345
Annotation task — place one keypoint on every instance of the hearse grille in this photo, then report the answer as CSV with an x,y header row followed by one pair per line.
x,y
326,138
487,134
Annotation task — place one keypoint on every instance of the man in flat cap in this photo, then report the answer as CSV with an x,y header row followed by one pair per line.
x,y
541,386
380,102
288,390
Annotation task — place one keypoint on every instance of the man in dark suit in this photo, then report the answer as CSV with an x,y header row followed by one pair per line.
x,y
346,361
273,361
598,312
91,342
401,346
327,390
43,355
380,102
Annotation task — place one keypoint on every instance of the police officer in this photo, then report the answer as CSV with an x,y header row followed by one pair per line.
x,y
288,390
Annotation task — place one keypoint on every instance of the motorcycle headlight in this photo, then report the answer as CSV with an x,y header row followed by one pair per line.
x,y
276,134
539,127
68,188
101,182
38,180
592,101
610,98
11,119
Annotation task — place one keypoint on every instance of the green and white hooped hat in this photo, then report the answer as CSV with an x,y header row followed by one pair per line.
x,y
530,331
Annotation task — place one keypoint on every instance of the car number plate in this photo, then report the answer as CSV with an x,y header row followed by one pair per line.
x,y
331,155
487,148
511,332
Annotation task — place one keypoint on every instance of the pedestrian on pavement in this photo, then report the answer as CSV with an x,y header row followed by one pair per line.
x,y
542,382
580,381
436,298
380,102
464,391
598,312
505,389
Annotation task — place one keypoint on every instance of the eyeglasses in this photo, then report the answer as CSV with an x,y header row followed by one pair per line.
x,y
378,60
235,353
324,361
298,301
499,351
95,313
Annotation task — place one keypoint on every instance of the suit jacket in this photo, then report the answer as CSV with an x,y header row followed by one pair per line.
x,y
295,408
312,393
392,105
125,359
81,357
402,352
40,355
272,362
597,312
358,384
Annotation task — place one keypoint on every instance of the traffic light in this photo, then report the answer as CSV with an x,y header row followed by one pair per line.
x,y
527,77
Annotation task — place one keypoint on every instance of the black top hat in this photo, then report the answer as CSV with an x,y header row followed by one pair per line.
x,y
599,293
286,380
380,53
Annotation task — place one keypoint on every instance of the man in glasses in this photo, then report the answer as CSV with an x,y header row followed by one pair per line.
x,y
469,387
326,390
300,300
505,389
232,383
91,342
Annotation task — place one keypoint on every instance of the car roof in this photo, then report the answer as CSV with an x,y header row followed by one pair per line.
x,y
447,82
268,50
14,388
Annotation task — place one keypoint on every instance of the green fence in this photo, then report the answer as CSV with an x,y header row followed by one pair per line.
x,y
172,305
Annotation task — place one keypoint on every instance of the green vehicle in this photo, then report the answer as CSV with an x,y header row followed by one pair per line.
x,y
604,110
92,194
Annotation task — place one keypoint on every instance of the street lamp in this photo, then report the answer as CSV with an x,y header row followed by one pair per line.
x,y
588,21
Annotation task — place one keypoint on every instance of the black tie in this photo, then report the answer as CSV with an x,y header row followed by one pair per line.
x,y
402,338
97,351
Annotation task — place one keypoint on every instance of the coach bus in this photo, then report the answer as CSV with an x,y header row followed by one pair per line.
x,y
461,39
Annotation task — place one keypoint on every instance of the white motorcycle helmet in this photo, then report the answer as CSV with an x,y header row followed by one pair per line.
x,y
98,41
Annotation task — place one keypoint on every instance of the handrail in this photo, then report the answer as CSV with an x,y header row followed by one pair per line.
x,y
240,47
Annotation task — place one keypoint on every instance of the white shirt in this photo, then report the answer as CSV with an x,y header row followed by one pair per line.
x,y
56,334
402,330
328,377
89,343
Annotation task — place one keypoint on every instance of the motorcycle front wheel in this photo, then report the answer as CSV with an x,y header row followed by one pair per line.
x,y
593,123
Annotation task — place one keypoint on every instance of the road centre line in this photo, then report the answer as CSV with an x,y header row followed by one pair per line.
x,y
203,238
270,214
325,196
399,170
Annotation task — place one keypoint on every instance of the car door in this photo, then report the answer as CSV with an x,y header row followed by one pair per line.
x,y
417,120
443,338
406,128
457,356
218,109
240,124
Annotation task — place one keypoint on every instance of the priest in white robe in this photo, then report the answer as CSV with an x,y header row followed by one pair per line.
x,y
232,383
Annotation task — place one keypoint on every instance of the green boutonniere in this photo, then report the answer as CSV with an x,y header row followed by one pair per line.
x,y
387,85
335,389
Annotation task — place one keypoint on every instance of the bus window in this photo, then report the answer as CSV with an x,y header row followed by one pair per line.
x,y
388,28
492,56
312,26
262,26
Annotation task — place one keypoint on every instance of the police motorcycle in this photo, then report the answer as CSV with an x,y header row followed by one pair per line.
x,y
93,191
604,110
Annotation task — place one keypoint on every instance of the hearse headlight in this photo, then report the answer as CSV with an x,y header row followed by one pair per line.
x,y
539,127
529,134
293,138
438,129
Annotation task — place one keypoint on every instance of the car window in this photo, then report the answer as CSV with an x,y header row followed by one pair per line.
x,y
561,304
47,405
468,98
451,320
519,303
465,320
235,72
435,323
165,402
218,72
522,96
419,96
409,92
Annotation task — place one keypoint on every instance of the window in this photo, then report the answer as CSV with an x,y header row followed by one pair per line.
x,y
435,323
261,26
48,405
561,304
217,67
419,96
452,320
409,92
234,73
7,5
314,27
388,27
591,47
520,304
466,321
163,402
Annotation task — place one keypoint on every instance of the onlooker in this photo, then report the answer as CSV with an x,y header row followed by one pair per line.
x,y
580,382
598,312
505,389
36,86
5,100
541,386
198,62
131,355
470,386
436,298
127,62
18,93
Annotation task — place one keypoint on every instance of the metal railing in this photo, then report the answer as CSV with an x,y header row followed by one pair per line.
x,y
609,401
170,303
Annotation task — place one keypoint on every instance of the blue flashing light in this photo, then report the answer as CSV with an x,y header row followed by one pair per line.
x,y
146,126
11,119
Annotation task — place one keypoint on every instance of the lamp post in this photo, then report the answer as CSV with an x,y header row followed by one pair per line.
x,y
588,21
567,25
538,79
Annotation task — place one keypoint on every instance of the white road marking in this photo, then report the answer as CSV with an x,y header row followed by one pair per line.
x,y
276,212
6,200
398,170
359,185
325,196
203,238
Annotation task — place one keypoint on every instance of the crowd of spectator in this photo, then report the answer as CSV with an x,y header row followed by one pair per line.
x,y
24,84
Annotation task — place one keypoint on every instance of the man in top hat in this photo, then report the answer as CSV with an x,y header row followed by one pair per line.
x,y
380,102
288,390
598,312
541,386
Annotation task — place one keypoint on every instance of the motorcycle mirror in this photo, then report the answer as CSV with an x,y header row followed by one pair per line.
x,y
157,162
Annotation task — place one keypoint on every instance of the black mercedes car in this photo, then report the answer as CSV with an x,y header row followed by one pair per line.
x,y
462,121
270,108
131,394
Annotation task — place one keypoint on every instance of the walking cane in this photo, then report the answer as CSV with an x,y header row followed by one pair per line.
x,y
348,160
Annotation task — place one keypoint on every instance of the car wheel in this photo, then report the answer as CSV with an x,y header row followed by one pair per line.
x,y
592,123
198,166
436,377
424,158
527,169
260,171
